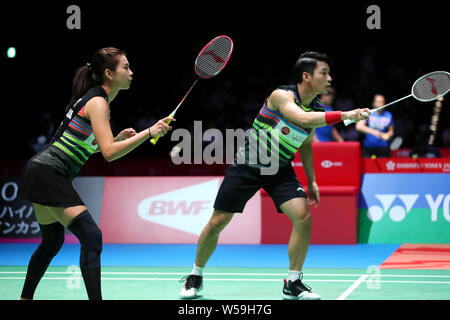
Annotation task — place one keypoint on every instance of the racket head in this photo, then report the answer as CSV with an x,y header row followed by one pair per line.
x,y
214,57
396,143
431,86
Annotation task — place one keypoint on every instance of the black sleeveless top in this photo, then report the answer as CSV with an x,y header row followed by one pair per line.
x,y
71,146
274,136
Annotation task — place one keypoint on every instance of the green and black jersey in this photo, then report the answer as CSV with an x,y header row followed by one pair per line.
x,y
275,137
71,146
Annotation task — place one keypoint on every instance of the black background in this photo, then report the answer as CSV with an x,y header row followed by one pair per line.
x,y
163,38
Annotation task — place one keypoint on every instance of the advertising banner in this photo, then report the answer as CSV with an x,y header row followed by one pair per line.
x,y
406,165
405,208
17,219
335,164
170,210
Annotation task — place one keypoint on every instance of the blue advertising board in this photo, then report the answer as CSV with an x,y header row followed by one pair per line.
x,y
405,208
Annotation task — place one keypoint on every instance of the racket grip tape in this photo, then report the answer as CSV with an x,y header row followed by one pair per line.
x,y
155,139
350,121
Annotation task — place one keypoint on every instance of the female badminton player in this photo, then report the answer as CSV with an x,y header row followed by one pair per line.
x,y
288,116
47,178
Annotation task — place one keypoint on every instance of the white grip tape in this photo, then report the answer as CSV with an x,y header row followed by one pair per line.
x,y
350,121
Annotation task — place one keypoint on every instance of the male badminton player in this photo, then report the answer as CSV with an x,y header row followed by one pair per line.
x,y
47,179
296,110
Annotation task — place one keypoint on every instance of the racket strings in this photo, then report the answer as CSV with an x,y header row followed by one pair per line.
x,y
214,57
432,86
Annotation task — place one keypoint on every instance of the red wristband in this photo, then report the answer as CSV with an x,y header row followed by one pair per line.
x,y
332,117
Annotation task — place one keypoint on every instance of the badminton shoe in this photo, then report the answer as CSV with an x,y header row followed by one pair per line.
x,y
192,286
296,290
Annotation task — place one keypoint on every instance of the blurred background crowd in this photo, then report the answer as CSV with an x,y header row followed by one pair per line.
x,y
268,39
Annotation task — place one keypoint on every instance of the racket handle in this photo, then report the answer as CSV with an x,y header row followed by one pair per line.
x,y
348,121
155,139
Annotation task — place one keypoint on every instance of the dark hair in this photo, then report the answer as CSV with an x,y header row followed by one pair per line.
x,y
92,73
307,62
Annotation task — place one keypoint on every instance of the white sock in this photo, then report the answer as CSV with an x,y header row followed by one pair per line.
x,y
197,270
293,275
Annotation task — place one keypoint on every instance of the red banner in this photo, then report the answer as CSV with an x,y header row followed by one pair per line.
x,y
405,165
404,152
335,164
335,220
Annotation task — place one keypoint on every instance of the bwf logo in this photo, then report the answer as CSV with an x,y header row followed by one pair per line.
x,y
187,209
397,213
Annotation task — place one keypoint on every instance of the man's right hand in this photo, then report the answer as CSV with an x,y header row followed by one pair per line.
x,y
356,114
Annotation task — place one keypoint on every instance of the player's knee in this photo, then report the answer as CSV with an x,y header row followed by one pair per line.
x,y
53,234
91,249
218,222
90,237
94,241
303,219
52,241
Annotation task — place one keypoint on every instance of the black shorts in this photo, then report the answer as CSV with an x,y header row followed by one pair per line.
x,y
241,182
48,186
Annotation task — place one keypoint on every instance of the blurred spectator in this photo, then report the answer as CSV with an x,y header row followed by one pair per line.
x,y
378,129
44,132
147,119
344,102
422,149
446,138
229,101
327,133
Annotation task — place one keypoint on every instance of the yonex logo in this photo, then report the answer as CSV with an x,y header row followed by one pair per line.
x,y
396,213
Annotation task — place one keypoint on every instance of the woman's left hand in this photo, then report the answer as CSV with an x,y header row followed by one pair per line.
x,y
125,134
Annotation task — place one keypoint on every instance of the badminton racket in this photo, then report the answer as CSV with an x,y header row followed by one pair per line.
x,y
396,143
427,88
210,61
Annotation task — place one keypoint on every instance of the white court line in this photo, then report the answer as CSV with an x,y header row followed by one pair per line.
x,y
243,274
347,292
173,279
352,287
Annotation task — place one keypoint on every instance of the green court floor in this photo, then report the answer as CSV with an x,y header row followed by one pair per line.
x,y
162,283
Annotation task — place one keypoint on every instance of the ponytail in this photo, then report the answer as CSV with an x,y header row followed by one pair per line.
x,y
92,74
81,84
